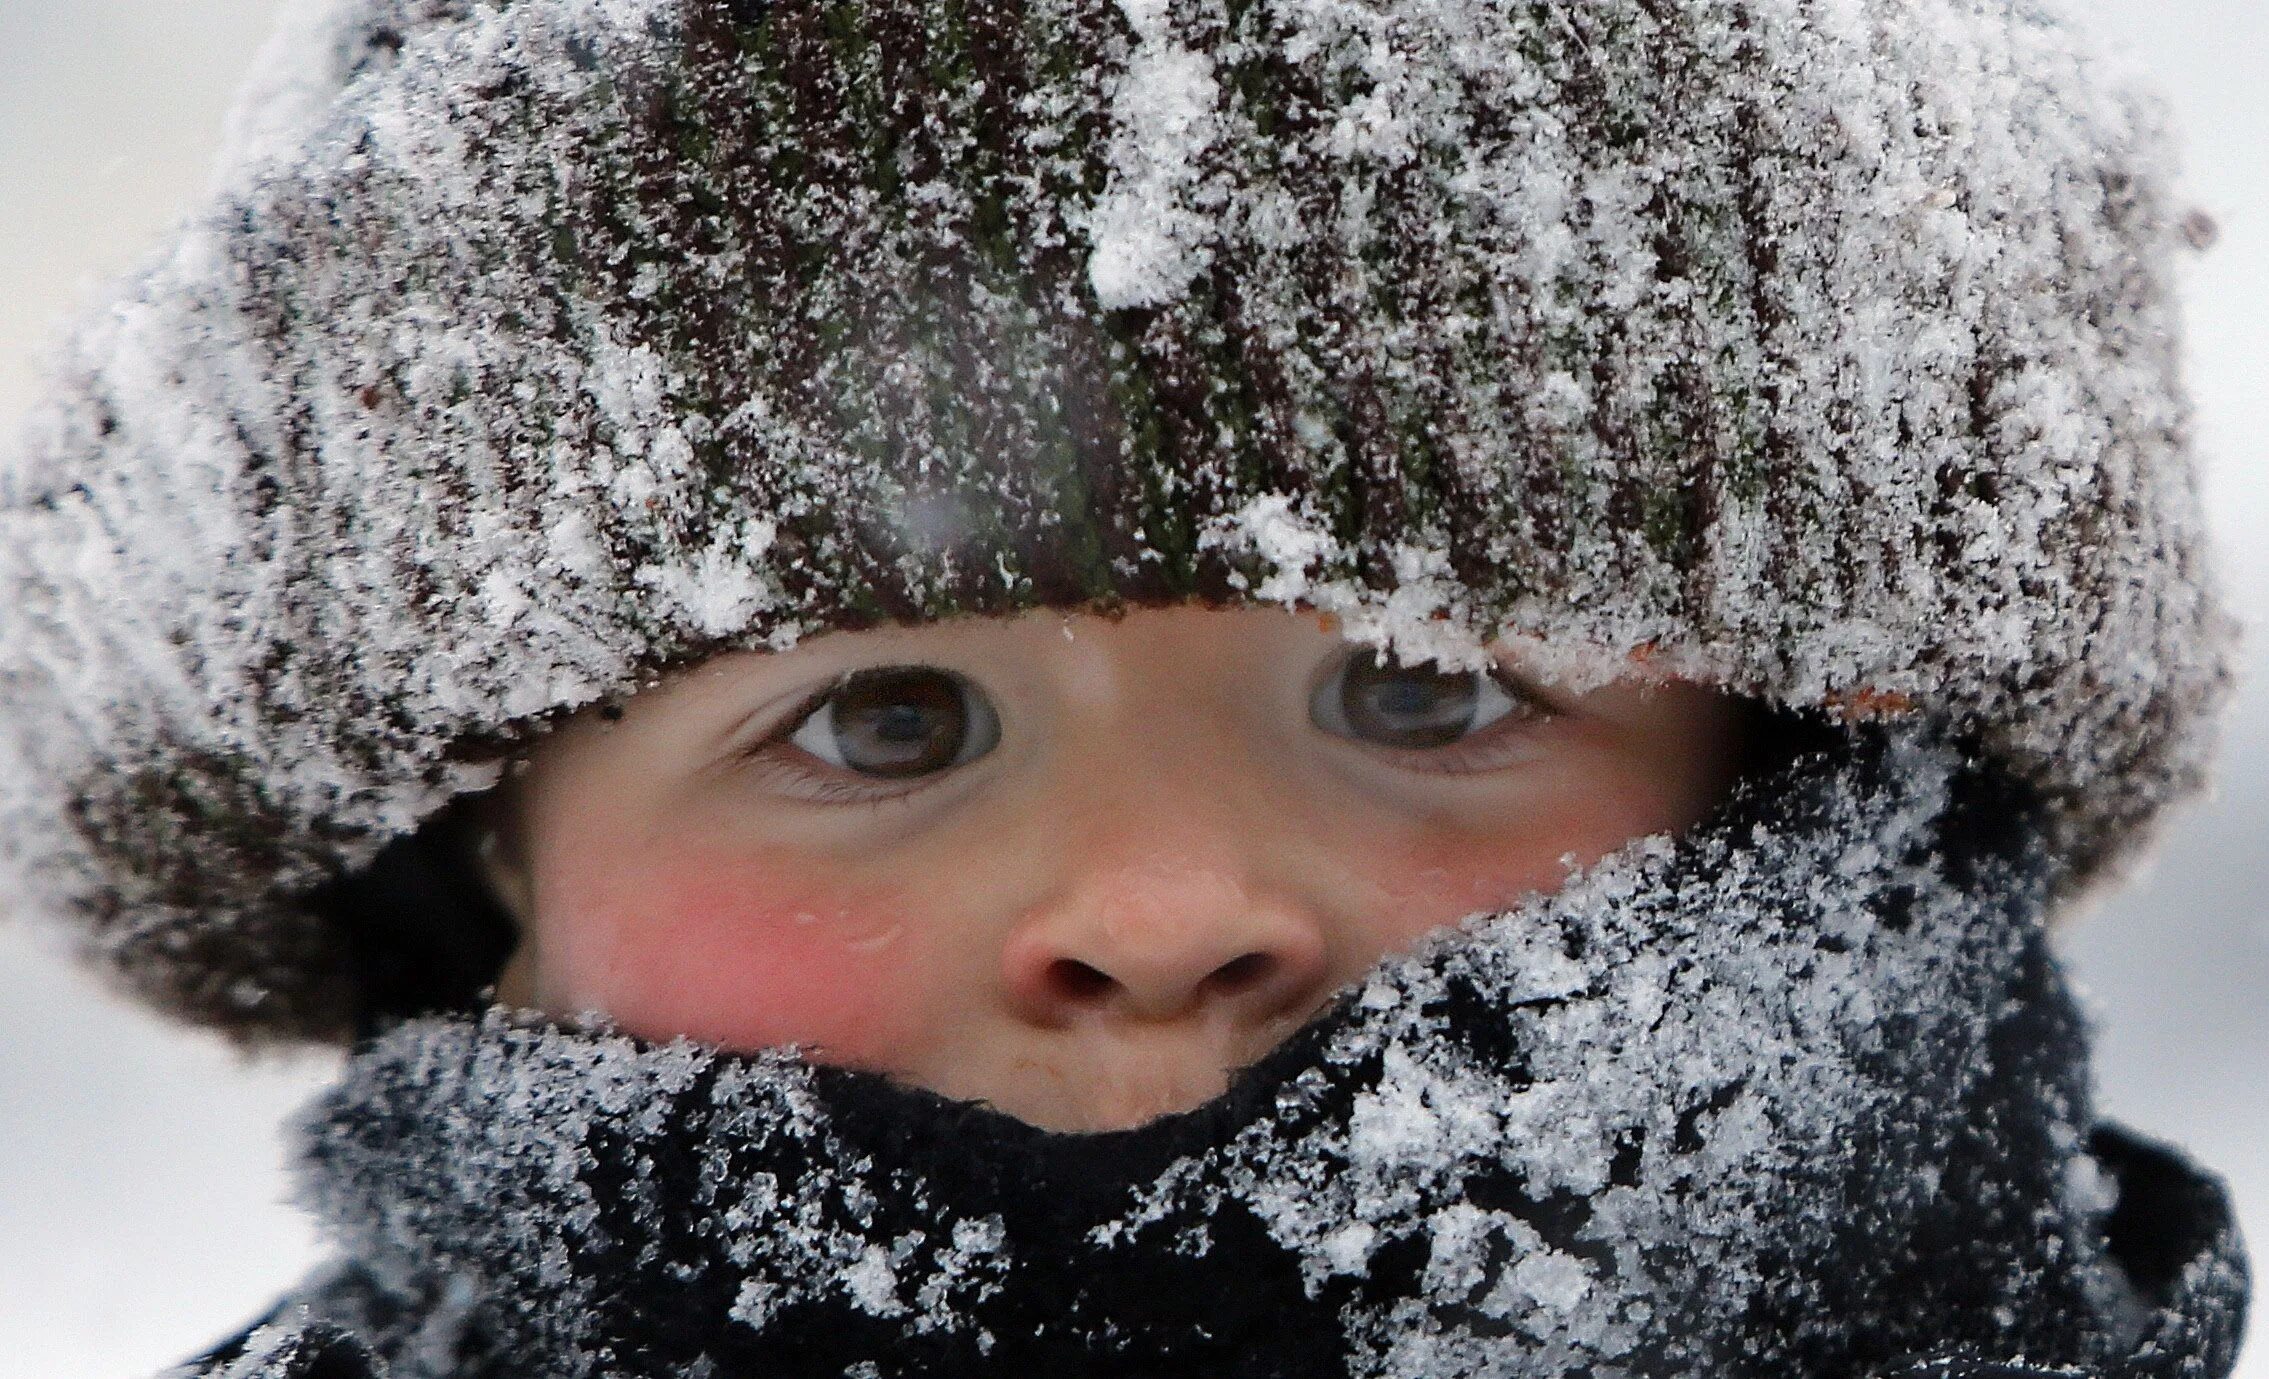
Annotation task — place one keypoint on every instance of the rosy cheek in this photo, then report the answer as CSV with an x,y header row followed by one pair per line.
x,y
730,951
1438,881
1439,885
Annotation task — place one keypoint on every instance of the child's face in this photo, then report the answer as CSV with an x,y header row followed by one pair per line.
x,y
1077,868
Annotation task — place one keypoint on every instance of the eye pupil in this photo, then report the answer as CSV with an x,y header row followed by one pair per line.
x,y
1395,705
902,723
899,722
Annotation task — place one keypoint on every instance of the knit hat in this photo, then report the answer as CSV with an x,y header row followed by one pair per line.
x,y
1823,351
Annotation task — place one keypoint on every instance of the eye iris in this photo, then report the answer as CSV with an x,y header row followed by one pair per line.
x,y
1407,706
899,722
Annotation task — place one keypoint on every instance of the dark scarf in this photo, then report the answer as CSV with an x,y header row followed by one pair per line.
x,y
1802,1095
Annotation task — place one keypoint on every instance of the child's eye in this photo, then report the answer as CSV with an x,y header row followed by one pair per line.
x,y
1375,699
896,722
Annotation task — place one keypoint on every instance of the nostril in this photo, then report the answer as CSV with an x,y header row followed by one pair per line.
x,y
1242,973
1066,985
1074,980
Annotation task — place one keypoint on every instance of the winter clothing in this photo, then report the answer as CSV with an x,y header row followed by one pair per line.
x,y
1823,350
1820,350
1686,1118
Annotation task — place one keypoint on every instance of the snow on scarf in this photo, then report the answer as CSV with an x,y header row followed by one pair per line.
x,y
1801,1095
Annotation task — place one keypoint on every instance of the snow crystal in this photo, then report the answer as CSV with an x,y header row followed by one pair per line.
x,y
1555,1280
725,586
873,1284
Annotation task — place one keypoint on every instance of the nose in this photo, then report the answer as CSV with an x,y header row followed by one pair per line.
x,y
1166,934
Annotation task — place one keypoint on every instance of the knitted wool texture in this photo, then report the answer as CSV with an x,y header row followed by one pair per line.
x,y
1820,349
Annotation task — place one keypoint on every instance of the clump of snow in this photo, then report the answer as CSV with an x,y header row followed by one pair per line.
x,y
1150,233
1424,615
725,586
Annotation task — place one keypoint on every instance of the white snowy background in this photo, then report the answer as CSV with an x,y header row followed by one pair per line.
x,y
141,1194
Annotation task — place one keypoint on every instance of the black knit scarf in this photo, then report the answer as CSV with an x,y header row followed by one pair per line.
x,y
1801,1095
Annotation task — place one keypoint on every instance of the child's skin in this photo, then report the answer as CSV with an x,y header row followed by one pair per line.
x,y
1186,832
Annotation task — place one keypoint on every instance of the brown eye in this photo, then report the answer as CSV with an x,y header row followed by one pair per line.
x,y
899,721
1377,699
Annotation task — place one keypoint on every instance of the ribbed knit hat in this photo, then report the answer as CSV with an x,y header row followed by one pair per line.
x,y
1821,349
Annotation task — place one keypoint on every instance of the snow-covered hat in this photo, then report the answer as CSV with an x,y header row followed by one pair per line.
x,y
1823,349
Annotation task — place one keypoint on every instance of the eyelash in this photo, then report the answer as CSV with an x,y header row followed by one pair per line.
x,y
1476,753
837,790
